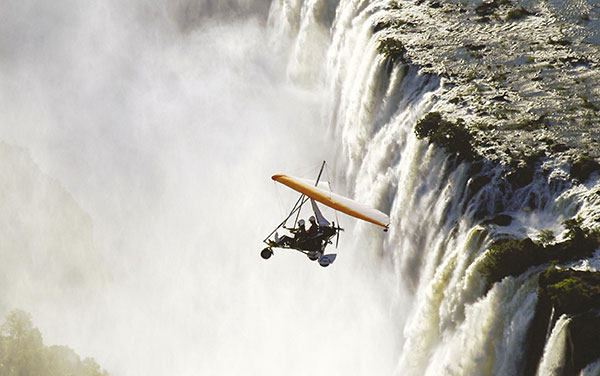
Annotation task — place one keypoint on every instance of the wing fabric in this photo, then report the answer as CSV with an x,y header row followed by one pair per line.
x,y
335,201
321,220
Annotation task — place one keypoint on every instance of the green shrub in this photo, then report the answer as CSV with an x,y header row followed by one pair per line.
x,y
574,230
570,291
392,48
455,138
575,293
546,236
428,125
511,257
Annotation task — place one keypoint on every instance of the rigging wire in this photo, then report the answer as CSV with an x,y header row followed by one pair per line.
x,y
279,201
305,171
331,190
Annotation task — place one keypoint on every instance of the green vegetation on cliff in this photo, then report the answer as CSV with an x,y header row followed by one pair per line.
x,y
577,295
574,293
455,138
392,49
570,291
22,352
511,257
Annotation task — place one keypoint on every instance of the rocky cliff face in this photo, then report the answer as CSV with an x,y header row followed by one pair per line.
x,y
524,75
520,91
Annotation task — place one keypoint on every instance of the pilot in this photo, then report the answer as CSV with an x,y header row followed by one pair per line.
x,y
300,232
313,230
299,235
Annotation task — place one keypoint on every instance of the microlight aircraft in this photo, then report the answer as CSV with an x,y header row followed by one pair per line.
x,y
314,245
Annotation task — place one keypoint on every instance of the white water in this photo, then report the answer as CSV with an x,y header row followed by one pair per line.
x,y
165,136
435,243
553,359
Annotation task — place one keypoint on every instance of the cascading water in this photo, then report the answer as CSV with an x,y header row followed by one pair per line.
x,y
553,359
441,224
141,184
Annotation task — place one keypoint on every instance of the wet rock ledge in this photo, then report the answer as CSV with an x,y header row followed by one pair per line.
x,y
524,76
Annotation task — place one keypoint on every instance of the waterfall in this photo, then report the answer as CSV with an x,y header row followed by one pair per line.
x,y
137,141
440,224
554,352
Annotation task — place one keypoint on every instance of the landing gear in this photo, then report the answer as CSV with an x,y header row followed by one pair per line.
x,y
266,253
326,260
313,256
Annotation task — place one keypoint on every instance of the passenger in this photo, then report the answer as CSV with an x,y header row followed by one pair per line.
x,y
300,235
314,241
313,230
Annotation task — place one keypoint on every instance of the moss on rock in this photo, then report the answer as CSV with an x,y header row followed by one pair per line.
x,y
507,257
455,138
511,257
392,49
570,291
576,294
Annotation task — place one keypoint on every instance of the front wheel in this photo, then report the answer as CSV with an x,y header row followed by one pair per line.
x,y
266,253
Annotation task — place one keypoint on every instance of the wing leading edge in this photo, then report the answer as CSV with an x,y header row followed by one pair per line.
x,y
335,201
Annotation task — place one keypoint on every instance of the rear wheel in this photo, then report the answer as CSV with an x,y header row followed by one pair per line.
x,y
266,253
313,256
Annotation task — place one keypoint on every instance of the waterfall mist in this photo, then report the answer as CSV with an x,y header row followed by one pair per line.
x,y
138,142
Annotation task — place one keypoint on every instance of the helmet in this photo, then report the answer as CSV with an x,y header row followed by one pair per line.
x,y
301,222
312,219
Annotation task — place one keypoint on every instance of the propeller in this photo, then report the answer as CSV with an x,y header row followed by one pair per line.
x,y
337,237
